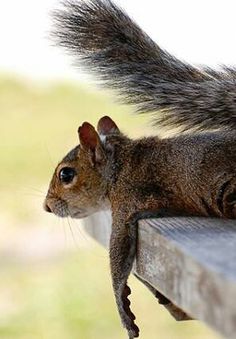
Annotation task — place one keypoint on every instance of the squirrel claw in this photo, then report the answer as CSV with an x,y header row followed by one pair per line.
x,y
132,328
134,333
126,291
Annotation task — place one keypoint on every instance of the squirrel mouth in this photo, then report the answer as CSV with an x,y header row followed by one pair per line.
x,y
79,214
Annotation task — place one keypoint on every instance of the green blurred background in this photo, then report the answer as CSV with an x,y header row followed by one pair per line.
x,y
54,280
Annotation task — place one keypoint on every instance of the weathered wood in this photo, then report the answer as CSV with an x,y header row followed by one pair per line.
x,y
98,226
192,261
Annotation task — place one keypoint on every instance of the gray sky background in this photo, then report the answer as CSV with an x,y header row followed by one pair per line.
x,y
200,32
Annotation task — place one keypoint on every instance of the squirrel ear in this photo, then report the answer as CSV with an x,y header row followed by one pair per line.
x,y
107,126
89,138
90,141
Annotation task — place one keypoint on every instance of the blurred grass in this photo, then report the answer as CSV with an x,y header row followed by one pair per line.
x,y
73,299
70,297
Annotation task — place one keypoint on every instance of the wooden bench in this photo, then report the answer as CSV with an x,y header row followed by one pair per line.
x,y
191,261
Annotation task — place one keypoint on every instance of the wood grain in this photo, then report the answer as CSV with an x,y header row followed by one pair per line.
x,y
192,261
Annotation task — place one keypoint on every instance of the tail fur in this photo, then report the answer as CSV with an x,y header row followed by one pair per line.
x,y
108,43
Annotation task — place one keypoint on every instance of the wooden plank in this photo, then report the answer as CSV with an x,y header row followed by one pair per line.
x,y
98,226
192,261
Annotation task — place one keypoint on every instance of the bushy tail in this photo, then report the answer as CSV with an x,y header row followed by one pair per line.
x,y
111,45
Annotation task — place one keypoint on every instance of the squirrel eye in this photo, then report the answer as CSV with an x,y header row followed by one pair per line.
x,y
67,174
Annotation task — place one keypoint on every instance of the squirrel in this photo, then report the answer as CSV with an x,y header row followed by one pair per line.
x,y
192,174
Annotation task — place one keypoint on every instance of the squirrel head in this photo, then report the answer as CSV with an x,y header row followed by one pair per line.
x,y
79,186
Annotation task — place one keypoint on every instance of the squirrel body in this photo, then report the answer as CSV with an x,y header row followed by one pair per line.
x,y
190,174
143,178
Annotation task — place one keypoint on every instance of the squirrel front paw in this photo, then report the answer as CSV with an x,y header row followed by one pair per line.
x,y
127,315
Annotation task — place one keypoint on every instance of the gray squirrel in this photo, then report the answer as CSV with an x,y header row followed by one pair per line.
x,y
190,174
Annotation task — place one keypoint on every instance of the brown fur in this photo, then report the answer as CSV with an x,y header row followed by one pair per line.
x,y
185,175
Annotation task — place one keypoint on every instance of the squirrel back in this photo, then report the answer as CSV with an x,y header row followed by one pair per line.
x,y
109,44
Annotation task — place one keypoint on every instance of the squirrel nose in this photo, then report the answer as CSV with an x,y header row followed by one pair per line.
x,y
47,208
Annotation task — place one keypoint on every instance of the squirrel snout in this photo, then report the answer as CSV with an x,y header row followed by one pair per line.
x,y
46,207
